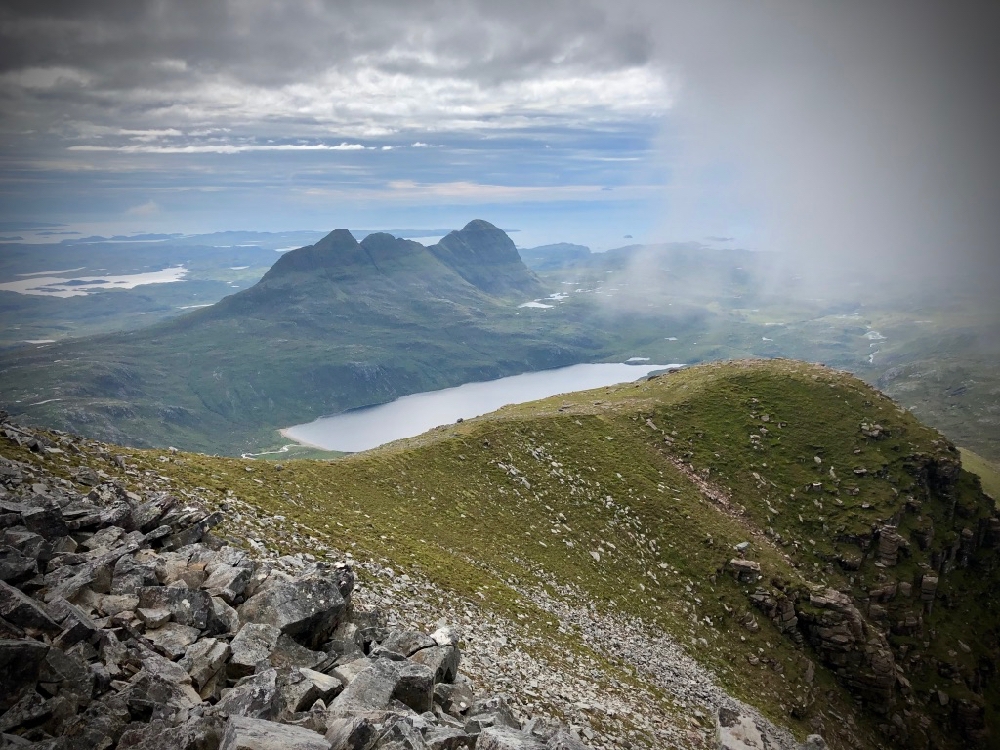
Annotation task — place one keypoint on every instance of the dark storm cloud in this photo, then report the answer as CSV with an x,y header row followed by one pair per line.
x,y
266,43
357,69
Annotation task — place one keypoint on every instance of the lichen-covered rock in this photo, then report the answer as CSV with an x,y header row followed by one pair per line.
x,y
242,733
308,609
505,738
255,696
252,645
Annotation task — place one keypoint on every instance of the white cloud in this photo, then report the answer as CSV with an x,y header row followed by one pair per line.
x,y
149,208
460,192
221,148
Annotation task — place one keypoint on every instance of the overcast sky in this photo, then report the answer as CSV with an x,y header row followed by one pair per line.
x,y
832,129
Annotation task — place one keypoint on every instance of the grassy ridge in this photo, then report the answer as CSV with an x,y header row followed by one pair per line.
x,y
601,497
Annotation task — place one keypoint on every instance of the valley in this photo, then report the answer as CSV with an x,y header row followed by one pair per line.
x,y
315,339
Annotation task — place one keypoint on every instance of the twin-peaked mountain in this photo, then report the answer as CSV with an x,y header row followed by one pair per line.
x,y
482,255
472,266
333,326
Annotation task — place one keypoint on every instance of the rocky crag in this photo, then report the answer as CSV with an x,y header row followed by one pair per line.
x,y
125,622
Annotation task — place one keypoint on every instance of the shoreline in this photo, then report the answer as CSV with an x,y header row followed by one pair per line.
x,y
304,443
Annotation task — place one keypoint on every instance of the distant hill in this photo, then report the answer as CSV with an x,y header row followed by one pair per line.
x,y
551,257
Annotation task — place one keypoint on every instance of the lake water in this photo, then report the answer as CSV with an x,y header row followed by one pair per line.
x,y
361,429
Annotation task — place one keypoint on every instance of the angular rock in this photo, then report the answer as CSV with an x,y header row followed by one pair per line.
x,y
252,645
243,733
147,517
204,659
255,696
15,566
172,639
349,670
67,671
303,687
307,609
288,654
454,699
350,733
563,740
20,662
407,642
154,617
370,690
105,539
415,686
99,726
745,571
46,521
225,619
504,738
198,733
112,604
496,708
76,624
227,582
401,736
448,738
442,661
24,611
193,533
187,606
150,696
172,567
130,575
736,731
163,667
30,710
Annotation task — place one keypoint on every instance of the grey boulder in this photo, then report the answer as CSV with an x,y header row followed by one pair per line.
x,y
242,733
504,738
307,609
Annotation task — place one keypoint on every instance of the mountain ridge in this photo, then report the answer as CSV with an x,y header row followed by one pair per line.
x,y
788,527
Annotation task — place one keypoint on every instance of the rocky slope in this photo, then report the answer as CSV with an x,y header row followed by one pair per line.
x,y
127,623
633,561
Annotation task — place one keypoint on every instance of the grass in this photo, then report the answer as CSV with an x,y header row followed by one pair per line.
x,y
987,471
518,501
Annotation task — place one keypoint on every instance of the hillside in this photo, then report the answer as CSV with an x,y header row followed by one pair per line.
x,y
331,326
811,545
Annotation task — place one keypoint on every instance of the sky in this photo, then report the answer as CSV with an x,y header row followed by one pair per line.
x,y
861,134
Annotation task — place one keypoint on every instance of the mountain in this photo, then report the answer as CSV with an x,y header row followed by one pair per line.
x,y
331,326
551,257
627,559
486,257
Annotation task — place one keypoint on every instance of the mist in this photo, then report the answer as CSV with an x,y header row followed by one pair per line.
x,y
860,139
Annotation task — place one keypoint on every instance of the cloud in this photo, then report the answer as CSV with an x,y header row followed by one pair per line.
x,y
467,192
221,148
860,134
149,208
